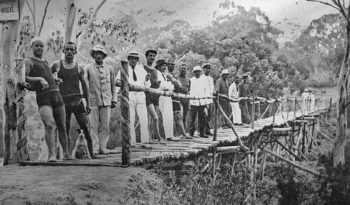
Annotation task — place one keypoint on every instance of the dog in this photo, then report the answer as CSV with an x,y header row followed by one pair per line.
x,y
44,149
81,147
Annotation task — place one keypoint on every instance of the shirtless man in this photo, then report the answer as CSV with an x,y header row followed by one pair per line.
x,y
51,106
72,75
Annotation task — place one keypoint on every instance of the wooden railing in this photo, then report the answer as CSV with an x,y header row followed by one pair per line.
x,y
279,103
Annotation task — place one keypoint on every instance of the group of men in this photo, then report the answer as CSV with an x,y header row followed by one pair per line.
x,y
66,88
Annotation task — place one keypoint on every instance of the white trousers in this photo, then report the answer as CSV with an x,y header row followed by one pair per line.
x,y
236,113
99,122
137,102
166,108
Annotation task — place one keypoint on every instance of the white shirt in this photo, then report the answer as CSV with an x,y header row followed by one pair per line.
x,y
140,75
209,83
198,90
165,84
232,91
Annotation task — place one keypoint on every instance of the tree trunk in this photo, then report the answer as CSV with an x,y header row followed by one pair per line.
x,y
339,147
71,22
11,66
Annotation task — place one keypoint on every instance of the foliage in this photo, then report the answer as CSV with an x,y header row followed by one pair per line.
x,y
334,187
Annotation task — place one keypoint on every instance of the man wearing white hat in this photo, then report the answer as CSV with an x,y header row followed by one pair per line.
x,y
137,100
221,87
197,106
103,97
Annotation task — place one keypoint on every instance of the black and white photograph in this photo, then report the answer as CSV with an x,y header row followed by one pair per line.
x,y
208,102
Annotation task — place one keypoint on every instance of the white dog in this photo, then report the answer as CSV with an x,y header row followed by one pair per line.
x,y
44,150
81,144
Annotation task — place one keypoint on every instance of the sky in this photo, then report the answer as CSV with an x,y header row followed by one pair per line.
x,y
290,16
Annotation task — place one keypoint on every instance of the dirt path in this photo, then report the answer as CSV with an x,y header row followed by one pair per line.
x,y
76,185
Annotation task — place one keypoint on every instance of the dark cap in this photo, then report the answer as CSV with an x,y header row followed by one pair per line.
x,y
160,62
150,51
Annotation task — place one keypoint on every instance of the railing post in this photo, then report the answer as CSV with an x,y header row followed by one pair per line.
x,y
287,108
253,112
274,113
216,101
295,107
330,104
124,108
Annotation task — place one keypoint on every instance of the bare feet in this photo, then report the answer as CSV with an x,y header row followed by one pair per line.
x,y
52,159
68,157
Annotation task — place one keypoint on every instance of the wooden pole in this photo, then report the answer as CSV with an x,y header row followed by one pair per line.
x,y
274,113
295,107
292,163
253,112
287,108
124,108
10,50
216,116
232,127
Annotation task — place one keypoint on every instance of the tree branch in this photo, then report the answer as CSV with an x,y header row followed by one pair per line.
x,y
325,3
43,18
92,18
342,10
30,8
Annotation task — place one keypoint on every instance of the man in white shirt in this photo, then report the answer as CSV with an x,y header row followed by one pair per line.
x,y
236,111
209,83
137,100
197,106
165,102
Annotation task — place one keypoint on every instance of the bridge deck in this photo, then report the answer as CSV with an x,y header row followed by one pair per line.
x,y
175,150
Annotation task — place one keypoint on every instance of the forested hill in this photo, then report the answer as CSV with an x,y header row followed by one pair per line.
x,y
246,41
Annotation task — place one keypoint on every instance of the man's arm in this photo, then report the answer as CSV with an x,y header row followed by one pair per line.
x,y
84,86
113,88
32,80
217,85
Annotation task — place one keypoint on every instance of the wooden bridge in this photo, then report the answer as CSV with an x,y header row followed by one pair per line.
x,y
289,118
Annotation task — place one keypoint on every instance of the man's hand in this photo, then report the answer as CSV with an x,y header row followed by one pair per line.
x,y
148,76
44,83
88,109
58,81
114,104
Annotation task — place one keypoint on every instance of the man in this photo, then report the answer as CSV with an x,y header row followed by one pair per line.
x,y
243,91
209,92
222,88
51,106
179,128
72,76
152,100
137,100
165,102
197,106
171,67
185,82
103,97
233,94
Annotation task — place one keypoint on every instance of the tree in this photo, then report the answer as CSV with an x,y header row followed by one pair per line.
x,y
33,11
341,145
15,142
